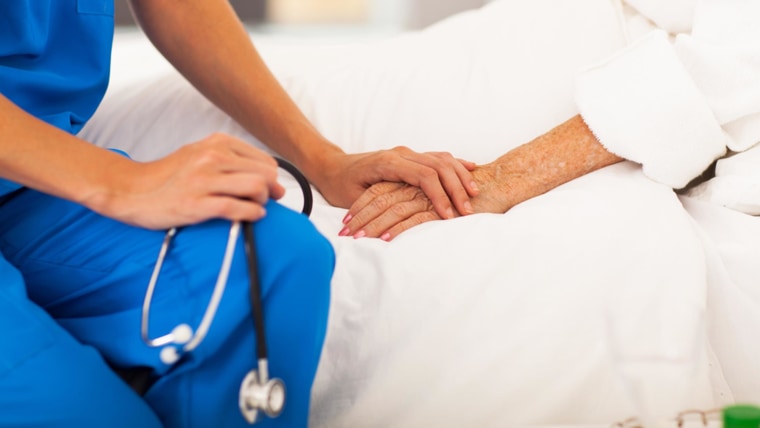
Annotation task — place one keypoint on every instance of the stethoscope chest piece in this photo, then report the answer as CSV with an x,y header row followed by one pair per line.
x,y
259,393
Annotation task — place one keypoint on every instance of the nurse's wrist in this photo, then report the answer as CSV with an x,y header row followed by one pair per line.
x,y
108,190
321,165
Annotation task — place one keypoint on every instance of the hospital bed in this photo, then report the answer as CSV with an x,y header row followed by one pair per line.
x,y
577,307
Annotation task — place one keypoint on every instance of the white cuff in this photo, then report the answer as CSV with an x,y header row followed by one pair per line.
x,y
642,105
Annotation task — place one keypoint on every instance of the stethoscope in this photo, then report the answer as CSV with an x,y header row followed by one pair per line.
x,y
257,391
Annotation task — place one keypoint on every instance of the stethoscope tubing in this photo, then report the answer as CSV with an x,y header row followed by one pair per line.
x,y
148,299
257,306
219,287
213,305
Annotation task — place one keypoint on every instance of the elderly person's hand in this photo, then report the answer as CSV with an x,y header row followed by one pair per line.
x,y
387,209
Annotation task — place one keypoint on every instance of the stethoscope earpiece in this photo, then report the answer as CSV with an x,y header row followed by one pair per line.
x,y
169,355
182,334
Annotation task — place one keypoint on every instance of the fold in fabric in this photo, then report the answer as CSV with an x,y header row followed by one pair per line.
x,y
643,105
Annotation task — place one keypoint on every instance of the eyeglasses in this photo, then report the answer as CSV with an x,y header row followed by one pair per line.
x,y
686,419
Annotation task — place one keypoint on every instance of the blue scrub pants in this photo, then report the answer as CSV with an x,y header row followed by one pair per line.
x,y
71,298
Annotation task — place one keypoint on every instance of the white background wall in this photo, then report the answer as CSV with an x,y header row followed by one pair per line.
x,y
426,12
384,14
412,14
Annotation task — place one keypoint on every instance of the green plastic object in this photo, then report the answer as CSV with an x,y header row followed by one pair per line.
x,y
741,416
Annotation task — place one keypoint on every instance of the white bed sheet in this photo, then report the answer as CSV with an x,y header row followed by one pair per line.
x,y
489,320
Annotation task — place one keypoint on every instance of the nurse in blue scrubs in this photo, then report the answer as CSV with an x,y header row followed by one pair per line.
x,y
81,227
78,243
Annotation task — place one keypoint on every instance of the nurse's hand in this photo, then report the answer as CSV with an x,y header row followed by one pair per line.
x,y
217,177
447,181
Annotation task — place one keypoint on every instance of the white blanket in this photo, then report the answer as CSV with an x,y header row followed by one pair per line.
x,y
489,320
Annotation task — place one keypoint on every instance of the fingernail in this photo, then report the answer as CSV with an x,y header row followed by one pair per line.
x,y
386,237
344,232
347,218
468,207
474,186
360,234
449,213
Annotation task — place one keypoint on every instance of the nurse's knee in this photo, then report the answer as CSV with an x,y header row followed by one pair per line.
x,y
295,240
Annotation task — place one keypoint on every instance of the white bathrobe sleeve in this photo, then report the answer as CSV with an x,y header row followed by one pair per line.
x,y
674,104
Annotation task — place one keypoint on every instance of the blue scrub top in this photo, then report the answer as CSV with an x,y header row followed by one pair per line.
x,y
55,59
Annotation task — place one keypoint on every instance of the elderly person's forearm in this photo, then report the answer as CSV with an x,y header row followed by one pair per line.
x,y
564,153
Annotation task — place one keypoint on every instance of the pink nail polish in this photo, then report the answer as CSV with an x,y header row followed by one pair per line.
x,y
386,237
344,232
347,218
360,234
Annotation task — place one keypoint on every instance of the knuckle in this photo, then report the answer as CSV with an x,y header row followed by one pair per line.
x,y
371,229
210,141
429,174
270,160
266,175
419,194
258,188
399,210
256,181
378,189
224,208
420,218
410,192
437,163
382,202
210,158
219,137
359,220
389,156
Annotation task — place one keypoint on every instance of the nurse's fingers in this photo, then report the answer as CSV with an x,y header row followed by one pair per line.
x,y
438,176
453,174
239,147
230,208
243,185
198,182
215,159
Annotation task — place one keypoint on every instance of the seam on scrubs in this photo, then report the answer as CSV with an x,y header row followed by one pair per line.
x,y
95,7
29,339
28,262
5,371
